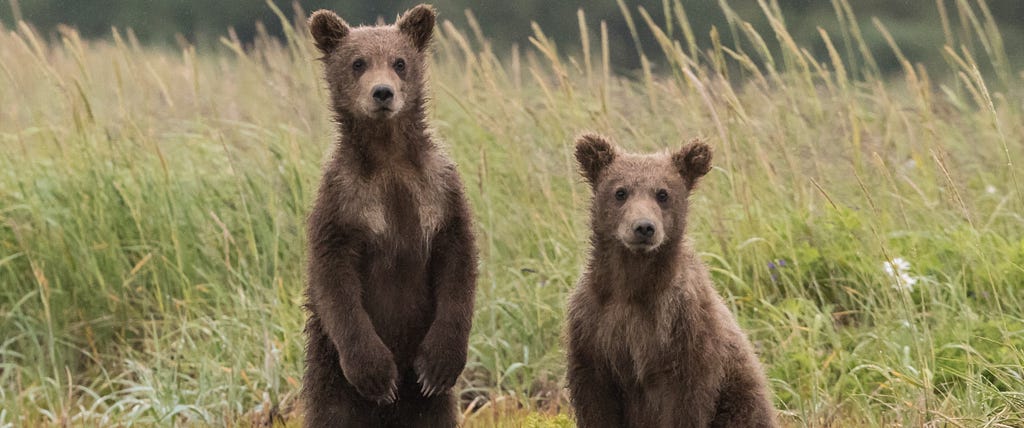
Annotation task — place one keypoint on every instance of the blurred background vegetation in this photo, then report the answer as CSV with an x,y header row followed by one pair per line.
x,y
153,197
916,25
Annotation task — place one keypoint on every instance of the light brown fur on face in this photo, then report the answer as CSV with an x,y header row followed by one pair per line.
x,y
640,204
650,342
361,61
634,192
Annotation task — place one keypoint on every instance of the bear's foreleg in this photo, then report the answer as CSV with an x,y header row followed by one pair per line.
x,y
334,296
453,269
597,401
328,399
744,402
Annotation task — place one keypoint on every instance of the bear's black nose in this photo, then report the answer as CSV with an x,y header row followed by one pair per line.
x,y
643,229
383,93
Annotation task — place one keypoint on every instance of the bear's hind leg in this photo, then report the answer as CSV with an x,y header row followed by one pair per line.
x,y
438,411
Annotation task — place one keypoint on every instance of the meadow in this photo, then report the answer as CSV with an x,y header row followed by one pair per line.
x,y
866,229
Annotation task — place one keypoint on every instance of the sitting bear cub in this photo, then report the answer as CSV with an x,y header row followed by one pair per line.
x,y
650,342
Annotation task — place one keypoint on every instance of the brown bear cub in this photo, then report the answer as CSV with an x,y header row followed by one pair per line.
x,y
392,261
650,342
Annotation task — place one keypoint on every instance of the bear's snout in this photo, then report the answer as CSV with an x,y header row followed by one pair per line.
x,y
383,97
380,93
641,231
383,94
644,229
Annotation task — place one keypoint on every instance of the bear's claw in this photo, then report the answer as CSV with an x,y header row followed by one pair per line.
x,y
392,394
373,373
437,377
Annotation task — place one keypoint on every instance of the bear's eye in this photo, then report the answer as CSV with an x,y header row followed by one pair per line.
x,y
662,195
620,194
359,65
400,65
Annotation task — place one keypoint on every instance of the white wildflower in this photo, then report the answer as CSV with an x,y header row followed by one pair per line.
x,y
990,189
896,266
899,270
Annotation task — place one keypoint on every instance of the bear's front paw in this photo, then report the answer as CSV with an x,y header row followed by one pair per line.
x,y
438,367
373,373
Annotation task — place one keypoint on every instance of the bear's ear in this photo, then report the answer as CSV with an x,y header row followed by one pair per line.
x,y
594,153
418,24
693,161
328,29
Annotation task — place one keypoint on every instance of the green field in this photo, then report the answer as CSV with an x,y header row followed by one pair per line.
x,y
152,206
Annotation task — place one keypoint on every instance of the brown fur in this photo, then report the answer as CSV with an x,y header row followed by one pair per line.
x,y
650,342
392,260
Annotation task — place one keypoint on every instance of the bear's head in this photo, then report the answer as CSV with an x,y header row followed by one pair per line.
x,y
640,201
375,72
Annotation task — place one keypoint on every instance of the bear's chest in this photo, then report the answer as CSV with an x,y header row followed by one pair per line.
x,y
632,339
400,209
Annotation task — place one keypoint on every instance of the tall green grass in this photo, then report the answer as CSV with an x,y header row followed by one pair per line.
x,y
152,205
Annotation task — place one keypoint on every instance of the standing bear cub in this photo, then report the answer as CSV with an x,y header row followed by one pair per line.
x,y
650,342
392,262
